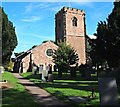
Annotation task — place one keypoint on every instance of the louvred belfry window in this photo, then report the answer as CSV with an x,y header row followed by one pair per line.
x,y
74,21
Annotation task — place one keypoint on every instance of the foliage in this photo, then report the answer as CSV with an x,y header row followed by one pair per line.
x,y
64,57
88,50
9,39
10,66
108,38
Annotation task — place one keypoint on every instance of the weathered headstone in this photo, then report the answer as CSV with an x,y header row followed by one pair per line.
x,y
50,77
40,69
87,73
1,69
108,91
44,75
34,70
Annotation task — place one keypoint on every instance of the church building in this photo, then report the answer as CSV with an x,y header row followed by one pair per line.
x,y
70,28
39,56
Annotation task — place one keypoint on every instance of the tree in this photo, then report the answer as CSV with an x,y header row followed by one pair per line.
x,y
9,39
108,38
114,36
64,57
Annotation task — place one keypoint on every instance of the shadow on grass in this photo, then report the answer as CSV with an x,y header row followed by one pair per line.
x,y
73,86
76,84
77,78
75,104
56,77
14,98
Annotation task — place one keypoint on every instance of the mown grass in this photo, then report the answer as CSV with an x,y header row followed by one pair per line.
x,y
66,86
16,96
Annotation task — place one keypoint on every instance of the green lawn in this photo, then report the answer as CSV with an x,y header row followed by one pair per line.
x,y
66,86
16,96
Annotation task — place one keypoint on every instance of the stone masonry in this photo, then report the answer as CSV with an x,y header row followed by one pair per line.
x,y
36,57
72,34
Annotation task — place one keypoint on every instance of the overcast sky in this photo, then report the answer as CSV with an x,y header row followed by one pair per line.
x,y
35,21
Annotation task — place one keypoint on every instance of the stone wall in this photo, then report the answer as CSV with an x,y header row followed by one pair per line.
x,y
39,55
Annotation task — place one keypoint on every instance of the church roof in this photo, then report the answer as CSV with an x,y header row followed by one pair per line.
x,y
22,55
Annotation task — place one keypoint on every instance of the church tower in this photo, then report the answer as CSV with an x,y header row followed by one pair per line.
x,y
70,28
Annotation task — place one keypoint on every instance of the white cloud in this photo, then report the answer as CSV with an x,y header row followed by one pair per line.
x,y
41,37
31,19
37,36
56,8
51,6
92,36
85,3
26,43
30,7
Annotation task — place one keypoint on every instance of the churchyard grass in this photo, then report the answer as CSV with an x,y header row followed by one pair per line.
x,y
16,95
66,86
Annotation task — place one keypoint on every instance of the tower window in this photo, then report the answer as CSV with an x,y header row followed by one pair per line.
x,y
74,21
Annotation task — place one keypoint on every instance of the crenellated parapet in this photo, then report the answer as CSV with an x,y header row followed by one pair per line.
x,y
70,10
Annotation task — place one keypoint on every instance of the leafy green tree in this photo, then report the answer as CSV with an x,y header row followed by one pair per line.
x,y
64,57
9,39
108,38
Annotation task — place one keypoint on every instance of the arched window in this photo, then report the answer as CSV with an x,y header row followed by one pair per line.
x,y
74,21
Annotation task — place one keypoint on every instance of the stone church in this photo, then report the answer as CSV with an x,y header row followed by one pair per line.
x,y
70,28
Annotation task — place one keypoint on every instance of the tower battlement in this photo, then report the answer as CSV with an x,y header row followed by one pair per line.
x,y
71,10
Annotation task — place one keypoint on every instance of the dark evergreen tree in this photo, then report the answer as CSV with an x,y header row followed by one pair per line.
x,y
9,38
108,38
113,42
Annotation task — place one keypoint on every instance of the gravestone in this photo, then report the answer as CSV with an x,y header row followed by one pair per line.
x,y
44,75
34,69
50,77
40,69
87,73
108,91
1,69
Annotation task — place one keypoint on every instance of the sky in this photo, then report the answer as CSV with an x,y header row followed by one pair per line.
x,y
35,21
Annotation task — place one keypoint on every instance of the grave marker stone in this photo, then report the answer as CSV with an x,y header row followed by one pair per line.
x,y
87,73
40,69
34,69
1,69
44,74
108,91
